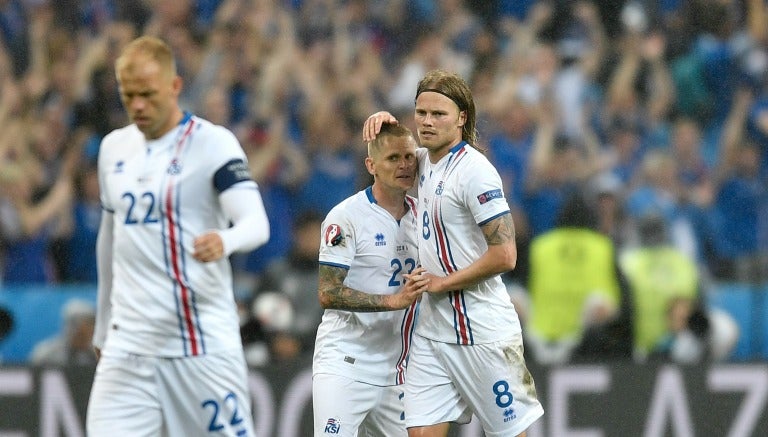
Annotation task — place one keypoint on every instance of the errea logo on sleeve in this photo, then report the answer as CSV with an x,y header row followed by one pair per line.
x,y
490,195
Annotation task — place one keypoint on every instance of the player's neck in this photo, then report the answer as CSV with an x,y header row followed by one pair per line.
x,y
173,121
177,118
392,200
436,154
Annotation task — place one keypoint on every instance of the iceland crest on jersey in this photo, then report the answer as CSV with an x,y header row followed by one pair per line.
x,y
175,167
333,235
439,189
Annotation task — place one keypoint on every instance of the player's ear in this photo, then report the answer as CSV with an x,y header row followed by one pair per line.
x,y
177,84
462,117
370,165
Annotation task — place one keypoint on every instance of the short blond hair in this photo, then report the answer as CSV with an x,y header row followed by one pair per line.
x,y
151,47
387,131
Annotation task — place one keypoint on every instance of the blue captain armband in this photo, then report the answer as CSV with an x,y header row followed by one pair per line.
x,y
231,173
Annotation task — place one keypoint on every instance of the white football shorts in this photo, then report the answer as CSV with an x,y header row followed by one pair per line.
x,y
152,396
448,383
343,407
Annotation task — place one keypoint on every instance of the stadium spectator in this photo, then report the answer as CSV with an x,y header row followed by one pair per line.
x,y
334,159
14,22
661,278
73,344
427,51
559,165
511,142
579,44
575,285
640,89
716,45
606,191
85,226
740,206
685,146
623,150
756,124
509,149
671,319
694,178
280,167
30,211
294,276
696,334
658,191
267,329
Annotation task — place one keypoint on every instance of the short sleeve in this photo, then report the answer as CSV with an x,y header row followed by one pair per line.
x,y
337,244
484,193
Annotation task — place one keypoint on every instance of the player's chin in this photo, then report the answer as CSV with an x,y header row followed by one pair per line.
x,y
405,182
141,121
144,125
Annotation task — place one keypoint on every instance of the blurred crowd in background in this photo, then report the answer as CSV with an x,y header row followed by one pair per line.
x,y
653,114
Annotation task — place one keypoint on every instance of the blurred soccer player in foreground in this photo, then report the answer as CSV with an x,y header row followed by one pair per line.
x,y
167,332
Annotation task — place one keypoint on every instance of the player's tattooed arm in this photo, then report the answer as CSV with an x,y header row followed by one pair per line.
x,y
501,255
334,295
500,230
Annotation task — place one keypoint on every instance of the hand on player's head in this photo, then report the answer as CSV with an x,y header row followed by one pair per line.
x,y
372,125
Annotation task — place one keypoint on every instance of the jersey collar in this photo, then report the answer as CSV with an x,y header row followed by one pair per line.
x,y
185,119
369,193
458,147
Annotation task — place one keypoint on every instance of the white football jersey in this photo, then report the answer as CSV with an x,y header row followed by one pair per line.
x,y
164,193
362,237
457,195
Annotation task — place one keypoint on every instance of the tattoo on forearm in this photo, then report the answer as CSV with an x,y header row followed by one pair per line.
x,y
500,230
335,295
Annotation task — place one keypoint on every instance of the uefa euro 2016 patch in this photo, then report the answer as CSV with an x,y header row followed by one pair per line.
x,y
490,195
333,235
